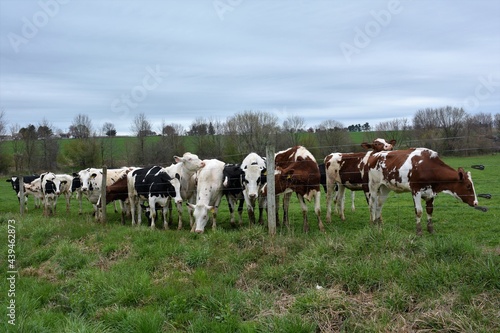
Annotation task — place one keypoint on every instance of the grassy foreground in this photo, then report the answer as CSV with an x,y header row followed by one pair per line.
x,y
75,275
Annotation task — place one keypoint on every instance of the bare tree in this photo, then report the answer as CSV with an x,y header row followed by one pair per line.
x,y
252,131
398,129
109,129
293,126
171,143
81,128
49,145
441,129
333,137
4,161
141,127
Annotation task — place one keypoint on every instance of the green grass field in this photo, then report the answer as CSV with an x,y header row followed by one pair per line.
x,y
76,275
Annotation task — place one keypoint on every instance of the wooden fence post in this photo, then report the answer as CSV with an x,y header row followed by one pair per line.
x,y
21,194
271,193
103,194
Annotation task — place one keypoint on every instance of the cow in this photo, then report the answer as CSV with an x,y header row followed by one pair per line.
x,y
186,167
254,177
14,180
66,188
419,171
208,194
343,171
91,182
154,185
117,191
35,189
51,189
233,190
297,171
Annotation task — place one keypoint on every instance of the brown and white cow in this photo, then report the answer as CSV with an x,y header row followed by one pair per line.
x,y
297,171
419,171
343,170
118,191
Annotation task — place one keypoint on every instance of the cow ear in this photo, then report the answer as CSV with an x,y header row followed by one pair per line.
x,y
461,174
190,205
392,142
367,145
75,174
92,176
211,209
178,176
177,159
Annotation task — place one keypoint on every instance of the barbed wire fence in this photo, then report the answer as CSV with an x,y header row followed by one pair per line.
x,y
404,203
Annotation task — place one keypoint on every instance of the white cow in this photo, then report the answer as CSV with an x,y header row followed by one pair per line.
x,y
186,167
254,168
208,194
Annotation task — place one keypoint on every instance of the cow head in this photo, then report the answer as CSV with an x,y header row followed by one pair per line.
x,y
87,177
200,214
463,189
191,162
14,181
379,145
253,178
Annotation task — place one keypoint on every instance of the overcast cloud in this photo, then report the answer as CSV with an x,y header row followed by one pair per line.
x,y
350,61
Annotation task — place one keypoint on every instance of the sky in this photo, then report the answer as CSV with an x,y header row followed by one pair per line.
x,y
177,61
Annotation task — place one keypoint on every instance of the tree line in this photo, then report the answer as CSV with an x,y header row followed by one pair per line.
x,y
448,130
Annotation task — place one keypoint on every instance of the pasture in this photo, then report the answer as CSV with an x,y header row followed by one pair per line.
x,y
76,275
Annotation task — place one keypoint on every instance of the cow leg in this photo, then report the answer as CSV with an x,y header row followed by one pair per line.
x,y
429,207
317,210
417,201
383,195
79,196
303,206
179,215
133,206
286,204
114,206
170,210
250,208
340,202
330,189
165,211
262,203
353,208
230,202
240,211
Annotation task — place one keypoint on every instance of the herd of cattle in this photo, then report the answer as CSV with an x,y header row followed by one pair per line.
x,y
201,184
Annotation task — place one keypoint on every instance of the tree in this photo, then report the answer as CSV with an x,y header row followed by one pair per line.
x,y
49,146
81,128
441,129
141,127
109,129
332,137
397,129
29,137
4,161
292,127
171,143
251,131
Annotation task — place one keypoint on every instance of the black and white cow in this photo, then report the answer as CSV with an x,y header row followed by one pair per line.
x,y
154,185
233,189
254,177
14,180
